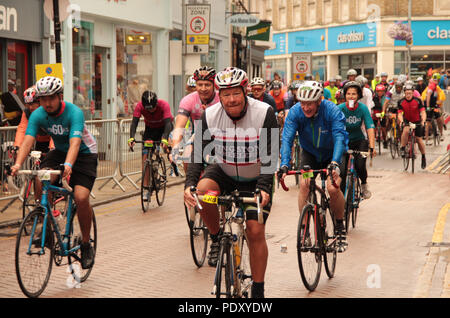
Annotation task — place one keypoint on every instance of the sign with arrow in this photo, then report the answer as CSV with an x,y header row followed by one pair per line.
x,y
197,28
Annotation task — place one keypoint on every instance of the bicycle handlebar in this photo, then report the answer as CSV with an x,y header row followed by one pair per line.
x,y
295,172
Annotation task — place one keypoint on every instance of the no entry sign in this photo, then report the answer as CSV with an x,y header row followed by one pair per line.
x,y
197,28
301,65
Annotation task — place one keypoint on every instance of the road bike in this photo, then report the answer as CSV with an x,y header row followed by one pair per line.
x,y
316,235
434,126
353,192
233,278
154,175
44,239
378,132
198,235
393,137
410,148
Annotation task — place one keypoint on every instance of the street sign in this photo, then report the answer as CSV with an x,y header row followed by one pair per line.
x,y
43,70
243,20
260,32
301,65
197,28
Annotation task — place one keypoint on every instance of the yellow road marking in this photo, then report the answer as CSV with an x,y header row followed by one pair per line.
x,y
438,233
434,164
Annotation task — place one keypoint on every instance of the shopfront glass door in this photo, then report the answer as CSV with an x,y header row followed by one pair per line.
x,y
100,84
18,66
369,74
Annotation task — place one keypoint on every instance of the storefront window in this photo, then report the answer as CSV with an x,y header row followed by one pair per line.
x,y
423,63
134,68
83,71
319,66
210,59
275,69
19,76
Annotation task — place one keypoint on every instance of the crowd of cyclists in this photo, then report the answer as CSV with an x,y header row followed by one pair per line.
x,y
237,114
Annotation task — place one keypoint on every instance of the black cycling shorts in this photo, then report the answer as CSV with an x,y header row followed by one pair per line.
x,y
432,114
420,130
84,170
307,159
228,185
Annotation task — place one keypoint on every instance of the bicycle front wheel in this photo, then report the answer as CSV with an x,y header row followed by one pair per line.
x,y
34,263
406,157
349,202
146,187
308,253
198,238
224,271
78,273
160,180
329,243
243,272
356,201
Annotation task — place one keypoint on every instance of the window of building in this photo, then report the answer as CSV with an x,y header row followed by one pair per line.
x,y
18,64
422,62
282,14
297,13
134,66
311,12
319,66
344,10
327,11
362,9
268,4
441,7
210,59
275,68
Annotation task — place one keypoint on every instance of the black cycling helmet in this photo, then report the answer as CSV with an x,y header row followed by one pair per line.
x,y
308,77
149,100
355,85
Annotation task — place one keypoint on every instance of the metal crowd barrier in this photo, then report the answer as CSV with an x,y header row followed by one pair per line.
x,y
446,104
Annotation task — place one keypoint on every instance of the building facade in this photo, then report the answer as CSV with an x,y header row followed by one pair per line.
x,y
344,34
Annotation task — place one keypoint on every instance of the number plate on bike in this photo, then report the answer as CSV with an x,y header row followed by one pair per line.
x,y
211,197
308,175
148,144
44,176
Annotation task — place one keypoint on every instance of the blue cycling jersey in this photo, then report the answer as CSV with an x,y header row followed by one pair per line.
x,y
323,135
68,124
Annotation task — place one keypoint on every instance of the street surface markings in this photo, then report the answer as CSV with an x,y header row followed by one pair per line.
x,y
426,277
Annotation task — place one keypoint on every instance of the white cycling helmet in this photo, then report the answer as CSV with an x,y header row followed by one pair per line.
x,y
231,77
191,82
258,81
48,86
420,78
309,91
351,72
30,95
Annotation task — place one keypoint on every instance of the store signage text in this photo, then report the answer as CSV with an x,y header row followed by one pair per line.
x,y
350,37
6,17
438,34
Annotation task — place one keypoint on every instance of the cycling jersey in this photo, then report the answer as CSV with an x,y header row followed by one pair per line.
x,y
323,135
68,124
266,98
367,98
237,146
354,119
333,91
192,106
290,102
41,138
280,99
437,98
378,103
411,109
155,119
393,97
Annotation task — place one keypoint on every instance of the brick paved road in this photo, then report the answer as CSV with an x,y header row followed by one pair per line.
x,y
148,255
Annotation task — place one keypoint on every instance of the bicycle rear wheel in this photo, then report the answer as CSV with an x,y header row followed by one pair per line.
x,y
406,157
356,201
33,268
413,152
436,133
224,270
348,202
160,180
146,191
329,241
78,273
308,253
198,238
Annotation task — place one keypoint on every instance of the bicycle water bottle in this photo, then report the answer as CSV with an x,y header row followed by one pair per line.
x,y
237,251
59,220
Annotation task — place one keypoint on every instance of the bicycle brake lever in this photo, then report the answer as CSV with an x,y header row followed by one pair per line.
x,y
194,194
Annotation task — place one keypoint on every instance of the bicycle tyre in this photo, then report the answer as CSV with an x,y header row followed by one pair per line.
x,y
80,275
36,218
413,152
198,233
356,202
29,200
329,240
146,192
379,138
309,266
348,202
160,180
406,157
224,266
244,272
392,147
436,133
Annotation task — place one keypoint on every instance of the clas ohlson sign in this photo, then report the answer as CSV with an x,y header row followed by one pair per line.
x,y
435,32
352,36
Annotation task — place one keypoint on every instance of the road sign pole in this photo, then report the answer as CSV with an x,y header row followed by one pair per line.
x,y
183,49
57,27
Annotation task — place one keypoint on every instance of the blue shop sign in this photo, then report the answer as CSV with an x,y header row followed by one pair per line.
x,y
352,36
281,45
435,32
307,41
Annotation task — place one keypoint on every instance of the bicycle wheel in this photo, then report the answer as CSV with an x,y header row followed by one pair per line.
x,y
379,138
406,157
198,238
413,152
436,134
146,191
348,202
78,273
308,253
29,201
33,267
160,180
356,201
243,272
392,147
222,281
329,241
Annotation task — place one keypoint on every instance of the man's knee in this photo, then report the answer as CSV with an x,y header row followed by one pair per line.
x,y
207,184
255,231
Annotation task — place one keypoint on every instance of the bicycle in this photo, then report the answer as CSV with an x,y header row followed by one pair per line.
x,y
42,240
410,149
393,137
153,175
297,156
378,132
434,126
353,192
198,235
233,277
316,234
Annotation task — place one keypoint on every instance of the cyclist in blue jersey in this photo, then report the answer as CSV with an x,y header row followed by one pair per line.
x,y
75,147
322,135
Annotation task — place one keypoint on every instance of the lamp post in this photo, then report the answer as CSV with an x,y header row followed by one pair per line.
x,y
408,45
57,27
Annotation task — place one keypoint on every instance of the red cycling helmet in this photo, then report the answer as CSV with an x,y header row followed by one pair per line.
x,y
205,73
380,87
